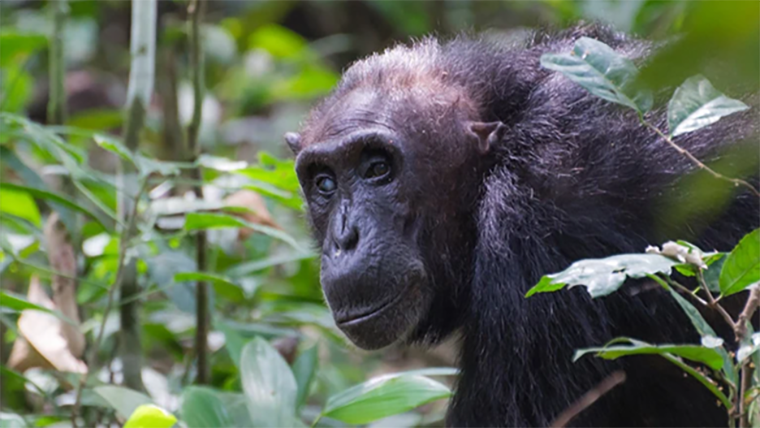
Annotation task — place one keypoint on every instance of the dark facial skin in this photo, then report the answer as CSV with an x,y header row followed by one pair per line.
x,y
389,200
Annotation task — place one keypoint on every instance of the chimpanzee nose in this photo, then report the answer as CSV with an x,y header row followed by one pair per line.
x,y
345,234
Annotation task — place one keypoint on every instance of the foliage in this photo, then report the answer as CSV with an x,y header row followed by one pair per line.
x,y
276,357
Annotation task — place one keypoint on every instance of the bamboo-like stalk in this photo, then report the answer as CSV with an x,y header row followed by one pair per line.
x,y
56,108
195,12
141,78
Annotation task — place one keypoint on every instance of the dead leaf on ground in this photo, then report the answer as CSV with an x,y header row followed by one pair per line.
x,y
257,212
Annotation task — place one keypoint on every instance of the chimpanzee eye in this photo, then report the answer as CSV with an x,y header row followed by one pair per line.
x,y
326,185
378,169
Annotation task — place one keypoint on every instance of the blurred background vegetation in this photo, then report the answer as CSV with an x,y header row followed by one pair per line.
x,y
266,63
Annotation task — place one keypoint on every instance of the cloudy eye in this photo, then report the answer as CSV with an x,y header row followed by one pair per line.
x,y
326,185
378,169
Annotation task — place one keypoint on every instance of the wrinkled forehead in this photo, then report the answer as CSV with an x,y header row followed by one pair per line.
x,y
397,106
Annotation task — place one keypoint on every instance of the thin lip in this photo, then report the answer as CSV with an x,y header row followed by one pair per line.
x,y
376,311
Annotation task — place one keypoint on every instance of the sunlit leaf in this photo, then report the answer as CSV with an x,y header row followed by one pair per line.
x,y
602,71
150,416
18,303
384,396
603,276
699,354
14,45
124,400
20,204
269,385
742,265
696,104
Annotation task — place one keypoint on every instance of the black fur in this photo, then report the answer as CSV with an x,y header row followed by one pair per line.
x,y
572,177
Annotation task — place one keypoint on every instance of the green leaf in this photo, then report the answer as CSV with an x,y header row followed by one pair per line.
x,y
384,396
602,71
208,408
18,303
603,276
742,266
696,104
150,416
14,45
114,146
700,354
233,341
222,285
124,400
304,369
20,204
50,196
200,221
269,385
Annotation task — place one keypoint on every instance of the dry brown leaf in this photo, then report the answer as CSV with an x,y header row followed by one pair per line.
x,y
257,210
41,342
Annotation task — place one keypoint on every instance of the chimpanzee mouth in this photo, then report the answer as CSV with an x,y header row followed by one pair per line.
x,y
356,319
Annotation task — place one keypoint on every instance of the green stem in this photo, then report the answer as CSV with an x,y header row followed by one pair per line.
x,y
56,111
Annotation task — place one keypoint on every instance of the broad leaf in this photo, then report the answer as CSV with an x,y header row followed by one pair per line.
x,y
742,266
386,395
150,416
204,407
602,71
233,341
50,196
603,276
14,45
200,221
700,354
222,285
124,400
269,385
696,104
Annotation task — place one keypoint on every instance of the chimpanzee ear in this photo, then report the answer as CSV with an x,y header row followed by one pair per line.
x,y
294,142
487,134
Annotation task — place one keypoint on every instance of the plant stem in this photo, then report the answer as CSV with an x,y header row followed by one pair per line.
x,y
56,109
711,302
697,162
92,361
195,11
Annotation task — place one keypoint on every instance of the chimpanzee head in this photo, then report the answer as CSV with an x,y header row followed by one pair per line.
x,y
391,165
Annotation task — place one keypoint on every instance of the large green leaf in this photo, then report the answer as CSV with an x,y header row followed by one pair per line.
x,y
386,395
233,341
20,204
742,266
204,407
269,385
696,104
200,221
222,285
150,416
124,400
603,276
602,71
15,45
700,354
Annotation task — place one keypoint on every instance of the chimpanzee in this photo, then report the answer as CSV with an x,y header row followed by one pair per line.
x,y
443,179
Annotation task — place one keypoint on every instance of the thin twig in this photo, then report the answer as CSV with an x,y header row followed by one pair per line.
x,y
589,398
697,162
746,383
195,11
92,361
740,328
711,302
